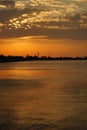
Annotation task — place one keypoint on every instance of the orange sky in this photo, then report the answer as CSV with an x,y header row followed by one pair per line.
x,y
33,45
58,28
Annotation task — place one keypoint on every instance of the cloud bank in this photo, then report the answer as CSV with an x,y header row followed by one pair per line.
x,y
54,19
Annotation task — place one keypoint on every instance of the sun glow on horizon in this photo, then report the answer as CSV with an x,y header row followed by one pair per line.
x,y
43,46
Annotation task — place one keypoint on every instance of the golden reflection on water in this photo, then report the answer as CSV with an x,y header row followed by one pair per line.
x,y
43,96
26,74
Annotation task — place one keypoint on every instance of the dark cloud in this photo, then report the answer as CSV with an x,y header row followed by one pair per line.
x,y
56,22
73,34
6,15
8,3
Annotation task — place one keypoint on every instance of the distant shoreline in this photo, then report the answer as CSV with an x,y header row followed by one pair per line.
x,y
36,58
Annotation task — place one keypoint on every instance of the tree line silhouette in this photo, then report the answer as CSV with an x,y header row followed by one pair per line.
x,y
11,58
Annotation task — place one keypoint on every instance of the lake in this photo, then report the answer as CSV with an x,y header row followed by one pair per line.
x,y
43,95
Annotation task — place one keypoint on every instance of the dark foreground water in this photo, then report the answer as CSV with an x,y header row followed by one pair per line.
x,y
44,95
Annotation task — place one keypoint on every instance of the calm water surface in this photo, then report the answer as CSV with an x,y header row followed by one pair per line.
x,y
43,95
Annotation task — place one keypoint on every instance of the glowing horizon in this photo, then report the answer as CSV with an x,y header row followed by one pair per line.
x,y
32,46
47,27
